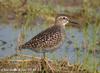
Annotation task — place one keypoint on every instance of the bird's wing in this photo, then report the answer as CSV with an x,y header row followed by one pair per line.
x,y
46,39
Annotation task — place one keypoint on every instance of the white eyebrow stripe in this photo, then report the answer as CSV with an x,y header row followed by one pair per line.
x,y
62,17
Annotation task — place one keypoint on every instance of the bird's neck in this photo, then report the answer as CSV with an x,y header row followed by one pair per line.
x,y
59,24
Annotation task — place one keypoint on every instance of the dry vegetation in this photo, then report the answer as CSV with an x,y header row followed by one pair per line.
x,y
38,65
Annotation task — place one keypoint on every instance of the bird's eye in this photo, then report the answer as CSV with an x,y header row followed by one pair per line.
x,y
64,18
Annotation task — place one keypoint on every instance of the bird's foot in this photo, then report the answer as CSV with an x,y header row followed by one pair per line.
x,y
46,64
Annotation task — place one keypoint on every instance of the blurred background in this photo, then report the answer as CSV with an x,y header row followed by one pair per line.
x,y
23,19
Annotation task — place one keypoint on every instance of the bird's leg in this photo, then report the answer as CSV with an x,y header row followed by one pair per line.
x,y
43,63
46,63
43,66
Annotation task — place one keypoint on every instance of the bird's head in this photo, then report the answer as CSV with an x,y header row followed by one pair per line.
x,y
63,20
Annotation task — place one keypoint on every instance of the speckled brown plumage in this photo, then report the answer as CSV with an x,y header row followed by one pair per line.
x,y
48,40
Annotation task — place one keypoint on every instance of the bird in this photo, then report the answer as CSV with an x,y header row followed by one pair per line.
x,y
49,39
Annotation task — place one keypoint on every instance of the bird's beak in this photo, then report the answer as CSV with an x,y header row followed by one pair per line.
x,y
74,24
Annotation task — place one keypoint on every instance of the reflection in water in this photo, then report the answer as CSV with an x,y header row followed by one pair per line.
x,y
68,49
2,42
3,48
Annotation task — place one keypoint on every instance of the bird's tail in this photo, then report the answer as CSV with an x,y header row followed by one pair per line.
x,y
22,47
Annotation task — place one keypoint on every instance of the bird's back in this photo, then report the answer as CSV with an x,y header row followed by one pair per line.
x,y
47,40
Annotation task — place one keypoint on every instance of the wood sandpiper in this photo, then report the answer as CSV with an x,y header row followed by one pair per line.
x,y
49,39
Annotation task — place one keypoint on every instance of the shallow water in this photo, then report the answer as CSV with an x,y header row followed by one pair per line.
x,y
67,50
